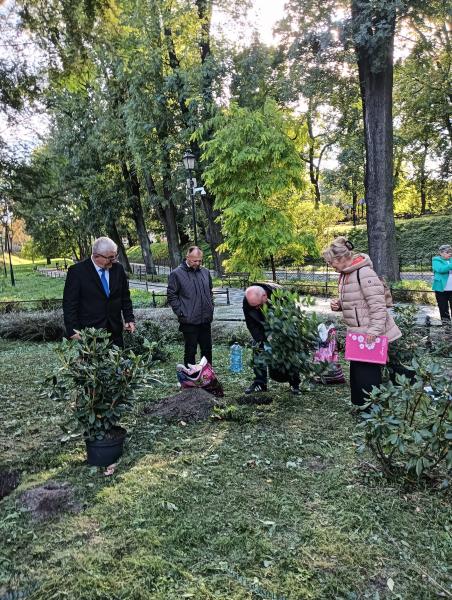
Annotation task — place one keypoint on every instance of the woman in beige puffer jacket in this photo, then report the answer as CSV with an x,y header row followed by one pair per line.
x,y
363,304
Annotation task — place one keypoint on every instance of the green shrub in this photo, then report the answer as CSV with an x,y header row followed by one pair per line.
x,y
415,291
48,304
409,427
306,288
97,381
159,252
148,332
292,336
414,338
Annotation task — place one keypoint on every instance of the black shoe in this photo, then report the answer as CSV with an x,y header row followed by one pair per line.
x,y
295,390
256,387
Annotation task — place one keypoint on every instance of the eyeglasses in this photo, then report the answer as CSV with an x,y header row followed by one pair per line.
x,y
112,258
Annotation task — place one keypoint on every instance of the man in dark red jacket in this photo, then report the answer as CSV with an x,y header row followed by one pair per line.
x,y
96,294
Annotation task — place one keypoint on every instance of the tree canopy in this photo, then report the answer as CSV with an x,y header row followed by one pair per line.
x,y
348,113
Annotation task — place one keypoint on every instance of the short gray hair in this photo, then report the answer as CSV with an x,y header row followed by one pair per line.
x,y
445,248
104,244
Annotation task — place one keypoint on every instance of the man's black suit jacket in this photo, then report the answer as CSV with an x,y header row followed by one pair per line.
x,y
85,303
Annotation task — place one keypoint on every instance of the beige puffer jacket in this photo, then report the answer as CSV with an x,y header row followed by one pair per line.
x,y
364,306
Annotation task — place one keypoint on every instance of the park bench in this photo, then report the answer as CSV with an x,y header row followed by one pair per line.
x,y
242,279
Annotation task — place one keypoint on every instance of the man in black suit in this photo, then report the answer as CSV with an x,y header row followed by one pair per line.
x,y
96,294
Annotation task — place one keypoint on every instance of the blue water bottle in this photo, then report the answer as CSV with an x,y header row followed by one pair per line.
x,y
235,358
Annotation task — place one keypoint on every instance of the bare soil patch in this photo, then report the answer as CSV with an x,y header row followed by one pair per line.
x,y
255,399
189,405
9,480
50,500
316,464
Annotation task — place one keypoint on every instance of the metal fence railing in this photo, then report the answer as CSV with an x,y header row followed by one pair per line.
x,y
156,299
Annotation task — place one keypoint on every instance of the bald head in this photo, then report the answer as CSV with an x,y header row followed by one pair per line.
x,y
256,296
194,257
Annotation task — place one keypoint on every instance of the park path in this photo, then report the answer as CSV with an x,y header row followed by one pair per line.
x,y
233,311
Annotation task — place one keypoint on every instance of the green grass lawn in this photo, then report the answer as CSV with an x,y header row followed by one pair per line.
x,y
416,238
30,285
274,505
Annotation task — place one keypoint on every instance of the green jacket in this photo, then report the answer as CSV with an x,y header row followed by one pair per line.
x,y
441,268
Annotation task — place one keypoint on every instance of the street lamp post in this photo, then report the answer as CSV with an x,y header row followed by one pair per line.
x,y
189,164
7,216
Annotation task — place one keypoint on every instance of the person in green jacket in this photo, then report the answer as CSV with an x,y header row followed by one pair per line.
x,y
442,282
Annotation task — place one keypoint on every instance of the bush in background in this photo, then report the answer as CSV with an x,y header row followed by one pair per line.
x,y
48,326
43,326
9,306
148,332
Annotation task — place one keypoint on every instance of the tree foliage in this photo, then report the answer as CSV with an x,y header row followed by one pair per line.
x,y
252,167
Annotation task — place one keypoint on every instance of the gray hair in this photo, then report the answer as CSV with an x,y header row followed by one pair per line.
x,y
104,244
445,248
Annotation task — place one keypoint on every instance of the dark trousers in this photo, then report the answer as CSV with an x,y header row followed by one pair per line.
x,y
362,377
194,335
261,376
444,301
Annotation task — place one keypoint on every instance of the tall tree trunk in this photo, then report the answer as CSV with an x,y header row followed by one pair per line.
x,y
204,10
130,239
122,255
313,171
167,215
133,195
354,204
423,180
183,237
376,93
272,262
84,245
215,235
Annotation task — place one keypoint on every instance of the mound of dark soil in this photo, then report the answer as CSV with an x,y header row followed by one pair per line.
x,y
192,404
49,500
9,480
255,399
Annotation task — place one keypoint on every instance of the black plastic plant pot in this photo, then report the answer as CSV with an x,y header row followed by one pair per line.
x,y
101,453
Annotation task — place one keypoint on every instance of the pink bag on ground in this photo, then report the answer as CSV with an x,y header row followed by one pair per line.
x,y
326,352
201,375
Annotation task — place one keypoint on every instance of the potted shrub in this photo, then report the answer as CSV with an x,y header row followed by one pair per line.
x,y
292,335
98,380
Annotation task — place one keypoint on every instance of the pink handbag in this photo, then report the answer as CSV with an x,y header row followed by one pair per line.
x,y
357,349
